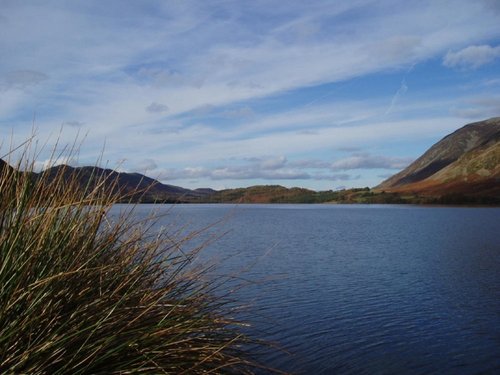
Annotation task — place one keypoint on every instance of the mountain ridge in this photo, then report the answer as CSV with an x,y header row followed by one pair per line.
x,y
147,188
465,162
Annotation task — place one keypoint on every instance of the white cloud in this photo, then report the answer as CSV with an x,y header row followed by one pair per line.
x,y
156,108
278,168
334,177
471,57
145,166
243,172
311,163
40,165
73,124
265,168
20,79
491,82
272,163
238,113
197,57
208,59
478,108
367,161
160,77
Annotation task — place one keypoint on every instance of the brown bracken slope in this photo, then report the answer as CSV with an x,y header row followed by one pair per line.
x,y
466,162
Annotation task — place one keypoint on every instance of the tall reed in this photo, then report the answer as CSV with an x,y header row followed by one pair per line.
x,y
84,293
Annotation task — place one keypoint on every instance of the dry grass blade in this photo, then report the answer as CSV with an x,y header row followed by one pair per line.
x,y
82,294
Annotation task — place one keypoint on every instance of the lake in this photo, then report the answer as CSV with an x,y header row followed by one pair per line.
x,y
364,289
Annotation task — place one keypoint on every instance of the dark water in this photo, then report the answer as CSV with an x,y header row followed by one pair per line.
x,y
366,289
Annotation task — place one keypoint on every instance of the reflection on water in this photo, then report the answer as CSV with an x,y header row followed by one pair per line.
x,y
366,289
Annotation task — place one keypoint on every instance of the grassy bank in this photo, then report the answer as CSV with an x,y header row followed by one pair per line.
x,y
84,293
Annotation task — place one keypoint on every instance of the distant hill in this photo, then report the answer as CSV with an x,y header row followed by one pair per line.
x,y
270,194
147,188
466,164
140,188
463,167
134,186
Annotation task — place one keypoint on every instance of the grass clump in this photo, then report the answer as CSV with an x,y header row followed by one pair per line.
x,y
84,294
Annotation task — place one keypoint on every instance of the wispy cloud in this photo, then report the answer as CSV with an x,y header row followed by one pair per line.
x,y
156,108
21,79
73,124
245,173
41,165
279,168
194,83
145,166
233,173
238,113
367,161
478,108
403,88
471,57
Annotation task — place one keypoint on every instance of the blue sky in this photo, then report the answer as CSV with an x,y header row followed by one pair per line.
x,y
318,94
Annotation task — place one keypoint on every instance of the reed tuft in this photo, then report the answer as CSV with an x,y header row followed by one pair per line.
x,y
85,293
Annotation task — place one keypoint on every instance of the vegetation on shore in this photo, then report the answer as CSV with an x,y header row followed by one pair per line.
x,y
86,292
280,194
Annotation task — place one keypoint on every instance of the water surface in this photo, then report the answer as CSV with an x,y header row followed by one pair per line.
x,y
365,289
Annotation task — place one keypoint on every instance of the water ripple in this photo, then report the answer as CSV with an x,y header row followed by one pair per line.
x,y
369,290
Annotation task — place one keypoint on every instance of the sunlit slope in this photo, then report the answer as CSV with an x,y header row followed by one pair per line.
x,y
464,162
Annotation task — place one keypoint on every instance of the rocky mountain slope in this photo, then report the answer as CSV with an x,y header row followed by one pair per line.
x,y
466,162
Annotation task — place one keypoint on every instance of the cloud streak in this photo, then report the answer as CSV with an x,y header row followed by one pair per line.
x,y
156,108
21,79
367,161
195,83
401,91
279,168
471,57
479,107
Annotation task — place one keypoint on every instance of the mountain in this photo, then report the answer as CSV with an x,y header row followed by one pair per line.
x,y
133,186
139,188
466,163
